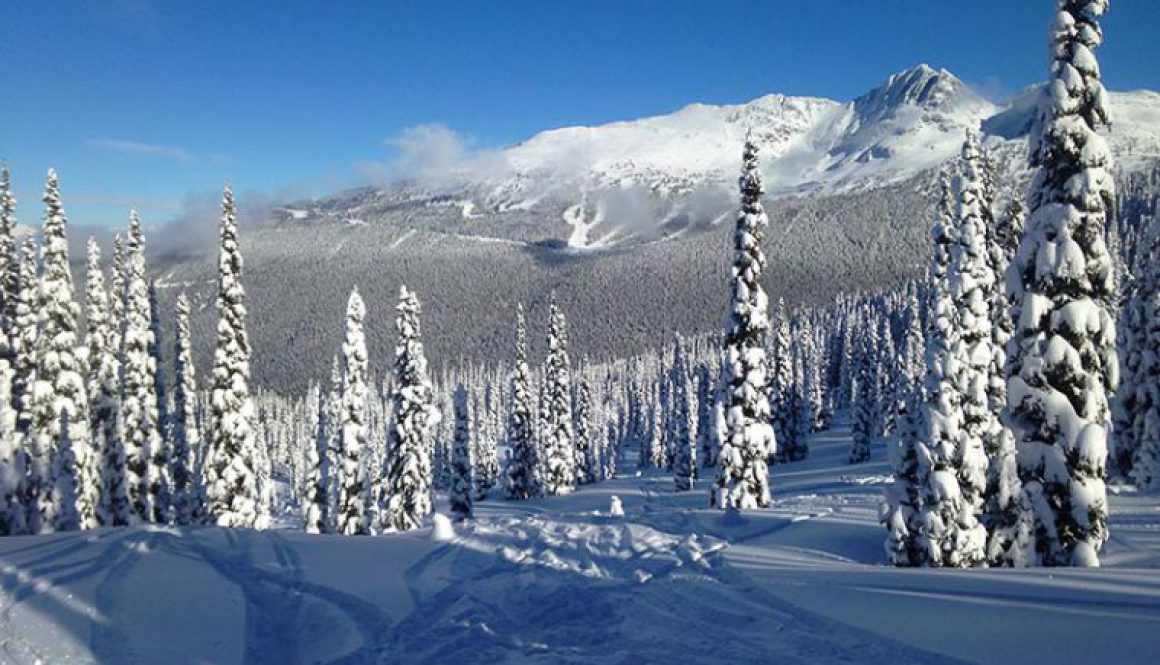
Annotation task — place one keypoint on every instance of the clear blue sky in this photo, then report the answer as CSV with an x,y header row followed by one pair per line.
x,y
160,103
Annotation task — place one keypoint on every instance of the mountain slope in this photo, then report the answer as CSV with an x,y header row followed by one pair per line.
x,y
630,222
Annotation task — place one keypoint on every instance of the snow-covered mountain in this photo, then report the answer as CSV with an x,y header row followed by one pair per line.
x,y
640,180
850,194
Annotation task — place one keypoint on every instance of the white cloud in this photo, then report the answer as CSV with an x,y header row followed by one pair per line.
x,y
146,149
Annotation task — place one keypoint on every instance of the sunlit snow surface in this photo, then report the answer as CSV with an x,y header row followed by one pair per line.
x,y
562,581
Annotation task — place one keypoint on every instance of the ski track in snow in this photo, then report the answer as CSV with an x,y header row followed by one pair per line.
x,y
558,580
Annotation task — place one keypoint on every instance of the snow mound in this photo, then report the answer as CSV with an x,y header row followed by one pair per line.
x,y
615,507
441,529
598,551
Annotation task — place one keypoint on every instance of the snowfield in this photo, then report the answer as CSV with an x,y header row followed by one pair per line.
x,y
561,580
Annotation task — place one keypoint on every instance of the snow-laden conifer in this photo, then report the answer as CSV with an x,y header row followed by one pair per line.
x,y
13,462
558,444
413,417
587,461
145,480
958,416
1062,355
1145,421
462,459
69,488
355,485
184,431
9,263
520,475
684,443
743,475
231,474
104,388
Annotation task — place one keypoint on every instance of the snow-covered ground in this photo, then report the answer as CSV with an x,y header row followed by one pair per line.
x,y
561,581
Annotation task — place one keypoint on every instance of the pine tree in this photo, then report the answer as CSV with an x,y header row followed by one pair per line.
x,y
558,444
864,406
24,343
684,443
9,264
520,474
959,418
903,505
68,489
409,474
185,434
462,460
1063,361
743,475
355,485
231,467
587,462
161,481
13,466
1145,421
316,512
781,364
104,391
143,445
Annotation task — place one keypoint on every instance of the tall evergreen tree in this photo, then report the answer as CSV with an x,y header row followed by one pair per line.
x,y
959,418
187,491
9,263
462,462
1145,417
521,481
146,470
356,485
231,466
13,462
587,461
781,364
1063,360
162,465
864,405
409,474
558,443
104,388
743,475
25,335
684,443
60,418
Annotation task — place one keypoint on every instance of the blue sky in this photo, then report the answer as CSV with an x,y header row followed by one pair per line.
x,y
158,104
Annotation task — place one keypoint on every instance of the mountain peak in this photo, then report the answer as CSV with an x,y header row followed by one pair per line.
x,y
921,86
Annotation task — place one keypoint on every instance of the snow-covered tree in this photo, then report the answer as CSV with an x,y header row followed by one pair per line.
x,y
684,442
25,333
59,404
1062,356
462,459
521,481
587,461
316,507
144,451
231,467
1145,416
184,431
355,486
12,460
9,263
558,444
959,418
414,415
104,389
865,405
743,475
161,481
781,369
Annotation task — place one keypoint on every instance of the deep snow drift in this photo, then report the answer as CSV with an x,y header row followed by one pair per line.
x,y
560,580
